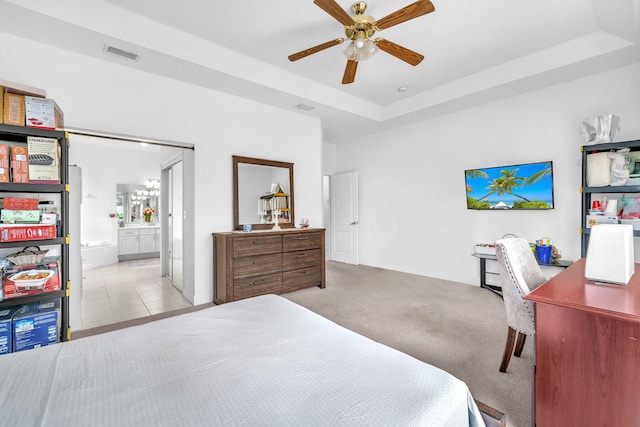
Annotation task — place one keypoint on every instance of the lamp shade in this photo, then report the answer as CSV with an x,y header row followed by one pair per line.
x,y
360,50
610,254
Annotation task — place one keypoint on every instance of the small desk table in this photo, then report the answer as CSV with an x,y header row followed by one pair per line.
x,y
498,289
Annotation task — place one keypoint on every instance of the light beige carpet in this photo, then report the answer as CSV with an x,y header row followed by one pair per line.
x,y
456,327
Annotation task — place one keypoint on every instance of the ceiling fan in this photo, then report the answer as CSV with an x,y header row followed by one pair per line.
x,y
360,28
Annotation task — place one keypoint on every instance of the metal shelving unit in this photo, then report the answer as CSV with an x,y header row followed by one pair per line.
x,y
20,134
588,192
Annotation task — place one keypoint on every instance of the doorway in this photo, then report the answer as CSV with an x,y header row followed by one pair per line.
x,y
344,217
113,291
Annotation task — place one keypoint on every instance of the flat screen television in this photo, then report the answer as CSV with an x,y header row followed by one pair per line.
x,y
523,186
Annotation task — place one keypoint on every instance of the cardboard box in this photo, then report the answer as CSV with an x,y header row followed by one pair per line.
x,y
10,216
42,113
44,160
600,219
47,274
23,232
6,329
4,163
49,218
13,109
59,116
36,325
6,335
18,203
17,89
21,89
19,164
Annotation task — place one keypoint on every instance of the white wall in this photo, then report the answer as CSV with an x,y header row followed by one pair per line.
x,y
101,95
413,214
329,154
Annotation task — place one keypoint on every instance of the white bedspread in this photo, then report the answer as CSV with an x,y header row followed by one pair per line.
x,y
260,361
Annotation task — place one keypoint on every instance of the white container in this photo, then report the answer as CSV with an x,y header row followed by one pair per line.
x,y
634,222
633,180
610,254
601,219
485,249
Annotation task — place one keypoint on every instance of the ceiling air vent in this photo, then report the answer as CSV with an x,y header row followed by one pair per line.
x,y
121,52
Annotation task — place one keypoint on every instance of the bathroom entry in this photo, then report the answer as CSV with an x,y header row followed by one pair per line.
x,y
113,291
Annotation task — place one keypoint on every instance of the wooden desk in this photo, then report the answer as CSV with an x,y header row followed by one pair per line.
x,y
498,289
587,351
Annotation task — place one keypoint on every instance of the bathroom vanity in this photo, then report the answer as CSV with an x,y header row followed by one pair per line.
x,y
137,241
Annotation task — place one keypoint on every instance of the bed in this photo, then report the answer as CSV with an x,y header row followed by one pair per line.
x,y
259,361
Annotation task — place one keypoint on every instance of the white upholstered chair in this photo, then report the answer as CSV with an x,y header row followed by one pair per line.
x,y
519,274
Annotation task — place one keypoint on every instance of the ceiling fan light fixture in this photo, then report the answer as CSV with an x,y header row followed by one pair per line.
x,y
350,52
360,28
362,53
371,48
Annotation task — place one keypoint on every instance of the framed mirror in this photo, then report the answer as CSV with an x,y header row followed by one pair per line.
x,y
262,193
132,199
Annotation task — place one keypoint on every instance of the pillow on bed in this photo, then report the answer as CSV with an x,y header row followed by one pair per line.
x,y
598,170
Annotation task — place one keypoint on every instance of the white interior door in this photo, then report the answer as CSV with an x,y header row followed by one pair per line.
x,y
344,217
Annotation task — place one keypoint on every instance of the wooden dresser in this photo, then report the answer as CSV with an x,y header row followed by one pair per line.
x,y
587,351
266,262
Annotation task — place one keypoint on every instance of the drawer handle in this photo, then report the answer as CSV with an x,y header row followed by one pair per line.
x,y
302,255
257,242
257,282
259,262
303,273
304,238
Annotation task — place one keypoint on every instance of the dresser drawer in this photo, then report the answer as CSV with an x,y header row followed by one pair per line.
x,y
260,285
301,259
257,265
303,278
149,231
301,241
256,245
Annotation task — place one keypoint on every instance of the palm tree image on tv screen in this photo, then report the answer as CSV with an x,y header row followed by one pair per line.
x,y
524,186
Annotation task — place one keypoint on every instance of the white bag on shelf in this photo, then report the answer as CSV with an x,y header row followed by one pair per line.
x,y
598,170
600,129
619,167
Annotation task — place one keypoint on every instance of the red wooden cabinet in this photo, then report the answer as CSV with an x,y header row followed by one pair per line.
x,y
587,351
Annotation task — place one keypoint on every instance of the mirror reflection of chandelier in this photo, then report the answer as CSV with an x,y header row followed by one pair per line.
x,y
153,183
152,187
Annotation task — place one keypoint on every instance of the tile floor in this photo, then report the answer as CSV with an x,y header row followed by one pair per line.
x,y
127,290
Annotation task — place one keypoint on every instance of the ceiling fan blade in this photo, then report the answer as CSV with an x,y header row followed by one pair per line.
x,y
414,10
334,9
315,49
350,72
408,56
